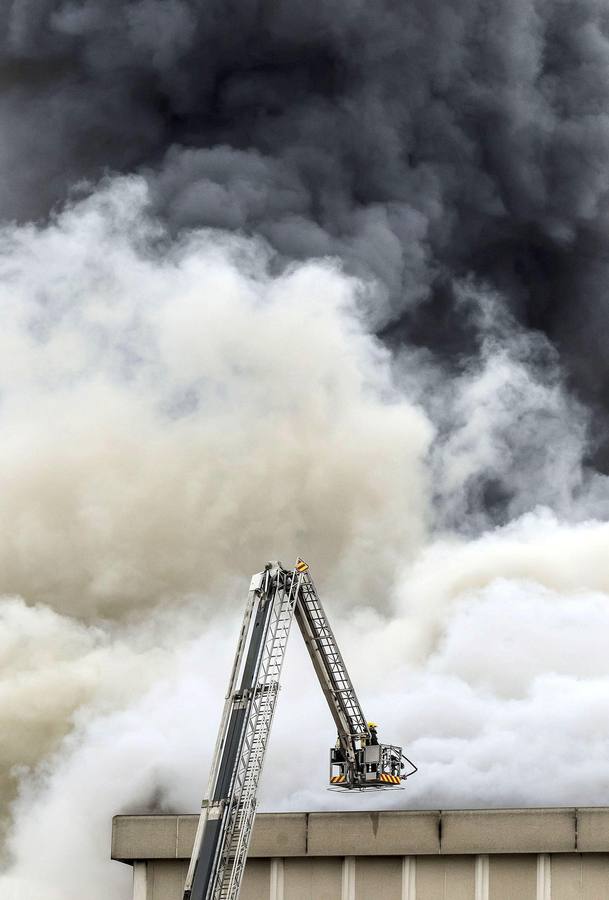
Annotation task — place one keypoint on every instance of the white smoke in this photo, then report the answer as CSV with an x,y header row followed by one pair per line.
x,y
175,414
172,413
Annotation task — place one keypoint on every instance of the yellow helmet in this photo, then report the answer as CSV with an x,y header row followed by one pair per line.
x,y
372,725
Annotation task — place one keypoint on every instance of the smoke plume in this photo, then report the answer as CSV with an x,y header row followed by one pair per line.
x,y
277,280
417,142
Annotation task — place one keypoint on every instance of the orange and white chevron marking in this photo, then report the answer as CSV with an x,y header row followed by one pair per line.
x,y
390,779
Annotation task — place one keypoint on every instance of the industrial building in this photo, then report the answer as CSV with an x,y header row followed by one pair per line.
x,y
509,854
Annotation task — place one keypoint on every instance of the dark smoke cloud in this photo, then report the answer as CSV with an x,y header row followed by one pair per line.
x,y
423,143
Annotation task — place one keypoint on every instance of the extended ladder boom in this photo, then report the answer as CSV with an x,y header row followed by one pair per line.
x,y
353,731
276,595
227,817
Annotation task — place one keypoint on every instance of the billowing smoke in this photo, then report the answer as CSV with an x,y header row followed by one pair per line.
x,y
282,279
418,142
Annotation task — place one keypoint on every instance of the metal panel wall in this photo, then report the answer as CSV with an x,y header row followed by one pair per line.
x,y
322,881
529,876
445,878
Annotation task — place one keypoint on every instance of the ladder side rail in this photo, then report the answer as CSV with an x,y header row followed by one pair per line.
x,y
212,839
330,667
221,737
247,693
341,720
333,660
254,731
243,799
257,589
260,688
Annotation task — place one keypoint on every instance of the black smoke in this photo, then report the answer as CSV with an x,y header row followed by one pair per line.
x,y
423,143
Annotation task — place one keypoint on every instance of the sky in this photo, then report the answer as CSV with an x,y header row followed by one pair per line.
x,y
279,281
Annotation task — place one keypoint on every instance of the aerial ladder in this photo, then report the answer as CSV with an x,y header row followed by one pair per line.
x,y
357,761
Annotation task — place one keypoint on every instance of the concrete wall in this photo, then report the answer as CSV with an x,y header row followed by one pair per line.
x,y
517,854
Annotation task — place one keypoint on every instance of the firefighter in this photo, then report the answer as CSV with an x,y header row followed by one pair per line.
x,y
339,755
372,726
